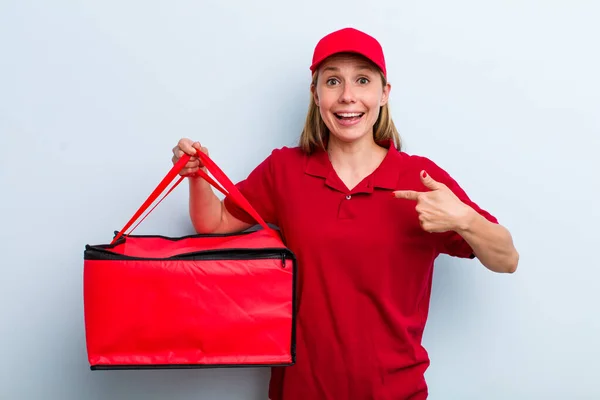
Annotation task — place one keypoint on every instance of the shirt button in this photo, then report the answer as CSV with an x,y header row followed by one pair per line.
x,y
348,197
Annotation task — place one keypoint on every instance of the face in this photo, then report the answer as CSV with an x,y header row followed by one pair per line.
x,y
349,93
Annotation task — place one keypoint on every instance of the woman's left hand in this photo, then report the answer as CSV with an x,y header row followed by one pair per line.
x,y
439,209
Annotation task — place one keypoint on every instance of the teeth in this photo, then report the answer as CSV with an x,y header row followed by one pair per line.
x,y
349,115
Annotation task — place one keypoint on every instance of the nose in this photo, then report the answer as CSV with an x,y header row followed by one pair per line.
x,y
347,95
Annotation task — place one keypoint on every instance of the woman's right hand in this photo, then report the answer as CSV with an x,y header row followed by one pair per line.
x,y
187,146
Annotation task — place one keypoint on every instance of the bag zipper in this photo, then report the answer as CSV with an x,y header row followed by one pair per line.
x,y
95,253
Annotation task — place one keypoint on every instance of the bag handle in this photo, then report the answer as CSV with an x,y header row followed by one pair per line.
x,y
231,190
226,187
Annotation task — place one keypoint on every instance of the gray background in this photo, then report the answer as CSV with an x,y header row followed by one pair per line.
x,y
502,94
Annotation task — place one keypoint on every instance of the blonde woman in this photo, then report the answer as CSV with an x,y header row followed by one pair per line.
x,y
366,222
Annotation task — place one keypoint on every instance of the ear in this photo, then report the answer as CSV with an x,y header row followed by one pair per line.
x,y
385,95
315,95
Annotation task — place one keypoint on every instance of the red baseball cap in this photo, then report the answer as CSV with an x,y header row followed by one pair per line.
x,y
349,40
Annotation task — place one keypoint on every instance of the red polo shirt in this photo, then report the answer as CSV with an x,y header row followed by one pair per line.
x,y
364,273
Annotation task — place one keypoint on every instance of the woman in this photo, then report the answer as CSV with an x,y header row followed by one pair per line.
x,y
366,222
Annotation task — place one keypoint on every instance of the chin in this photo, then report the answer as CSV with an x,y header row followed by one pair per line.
x,y
349,136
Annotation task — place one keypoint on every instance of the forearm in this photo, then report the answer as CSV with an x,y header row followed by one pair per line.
x,y
206,210
492,243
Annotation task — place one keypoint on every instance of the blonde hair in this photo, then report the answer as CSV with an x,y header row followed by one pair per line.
x,y
315,133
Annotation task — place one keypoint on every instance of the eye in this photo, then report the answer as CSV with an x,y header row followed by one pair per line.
x,y
331,81
363,81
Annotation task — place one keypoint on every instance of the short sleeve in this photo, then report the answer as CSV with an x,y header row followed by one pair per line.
x,y
259,189
451,243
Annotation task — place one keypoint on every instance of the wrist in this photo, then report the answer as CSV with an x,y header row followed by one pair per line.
x,y
195,177
198,184
467,220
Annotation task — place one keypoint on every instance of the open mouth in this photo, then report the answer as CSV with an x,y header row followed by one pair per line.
x,y
349,117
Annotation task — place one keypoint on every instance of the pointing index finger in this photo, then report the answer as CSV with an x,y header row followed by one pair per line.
x,y
406,194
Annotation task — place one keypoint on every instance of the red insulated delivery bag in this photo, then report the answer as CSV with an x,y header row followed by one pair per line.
x,y
213,300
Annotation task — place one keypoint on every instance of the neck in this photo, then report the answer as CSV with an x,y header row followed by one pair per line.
x,y
353,161
353,155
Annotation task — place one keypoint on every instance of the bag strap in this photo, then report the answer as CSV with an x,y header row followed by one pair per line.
x,y
226,187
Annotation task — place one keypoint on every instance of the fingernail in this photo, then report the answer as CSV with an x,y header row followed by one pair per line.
x,y
424,174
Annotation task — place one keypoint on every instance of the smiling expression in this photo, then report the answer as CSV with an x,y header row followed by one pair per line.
x,y
349,93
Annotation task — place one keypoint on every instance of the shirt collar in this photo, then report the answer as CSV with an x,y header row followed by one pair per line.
x,y
384,177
